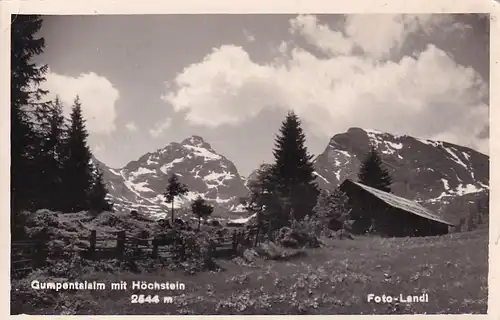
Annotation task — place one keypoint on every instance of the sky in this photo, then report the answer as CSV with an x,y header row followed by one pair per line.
x,y
148,80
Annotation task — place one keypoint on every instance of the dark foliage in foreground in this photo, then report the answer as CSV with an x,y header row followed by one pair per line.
x,y
50,161
373,174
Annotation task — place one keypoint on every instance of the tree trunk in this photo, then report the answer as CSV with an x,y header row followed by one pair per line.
x,y
199,223
257,236
172,215
270,230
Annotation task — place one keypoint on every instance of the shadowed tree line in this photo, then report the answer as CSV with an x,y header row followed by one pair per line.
x,y
51,163
285,193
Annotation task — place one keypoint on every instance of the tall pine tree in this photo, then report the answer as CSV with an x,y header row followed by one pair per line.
x,y
97,201
174,189
25,92
293,170
201,209
78,170
373,174
265,200
50,158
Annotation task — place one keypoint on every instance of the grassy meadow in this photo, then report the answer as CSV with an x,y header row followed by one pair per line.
x,y
333,279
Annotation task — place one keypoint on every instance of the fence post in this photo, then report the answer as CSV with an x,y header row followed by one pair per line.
x,y
256,237
120,244
154,253
183,249
235,242
40,254
92,241
211,249
137,250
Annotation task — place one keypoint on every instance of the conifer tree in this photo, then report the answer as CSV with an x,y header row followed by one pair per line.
x,y
78,169
97,195
174,188
293,170
201,209
25,92
50,158
373,174
265,200
332,209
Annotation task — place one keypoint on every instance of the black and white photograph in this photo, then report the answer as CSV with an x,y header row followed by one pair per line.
x,y
249,164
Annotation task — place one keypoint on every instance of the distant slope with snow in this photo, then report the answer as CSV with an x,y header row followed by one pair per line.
x,y
434,173
439,175
140,184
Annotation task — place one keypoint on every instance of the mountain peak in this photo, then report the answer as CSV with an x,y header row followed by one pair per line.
x,y
195,141
364,130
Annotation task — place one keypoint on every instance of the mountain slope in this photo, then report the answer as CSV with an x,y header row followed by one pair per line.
x,y
432,172
447,178
140,183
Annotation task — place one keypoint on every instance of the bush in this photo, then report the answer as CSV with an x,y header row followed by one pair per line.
x,y
272,251
301,234
331,210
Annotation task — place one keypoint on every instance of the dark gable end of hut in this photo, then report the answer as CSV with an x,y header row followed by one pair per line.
x,y
389,215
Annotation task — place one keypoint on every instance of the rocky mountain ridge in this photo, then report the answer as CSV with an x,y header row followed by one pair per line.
x,y
141,183
431,172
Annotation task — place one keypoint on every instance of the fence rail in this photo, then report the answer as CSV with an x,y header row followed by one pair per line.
x,y
155,247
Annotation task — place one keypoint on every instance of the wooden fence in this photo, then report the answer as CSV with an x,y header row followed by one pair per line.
x,y
27,255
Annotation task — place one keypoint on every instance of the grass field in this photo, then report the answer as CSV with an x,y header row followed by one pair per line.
x,y
334,279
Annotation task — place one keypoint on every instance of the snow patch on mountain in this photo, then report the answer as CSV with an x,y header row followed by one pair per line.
x,y
167,167
320,176
455,157
151,162
436,144
202,152
243,220
115,173
446,184
141,187
219,177
141,171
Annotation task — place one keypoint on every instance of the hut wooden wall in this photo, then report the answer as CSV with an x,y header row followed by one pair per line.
x,y
388,221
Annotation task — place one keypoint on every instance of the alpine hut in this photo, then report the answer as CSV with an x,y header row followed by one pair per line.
x,y
388,215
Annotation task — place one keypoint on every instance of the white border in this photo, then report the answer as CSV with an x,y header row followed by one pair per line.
x,y
90,7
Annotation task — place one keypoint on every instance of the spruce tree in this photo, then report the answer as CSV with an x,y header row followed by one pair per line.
x,y
78,169
97,196
201,209
25,93
373,174
174,188
293,170
332,209
50,158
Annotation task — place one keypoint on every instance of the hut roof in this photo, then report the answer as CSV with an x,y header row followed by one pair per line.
x,y
399,202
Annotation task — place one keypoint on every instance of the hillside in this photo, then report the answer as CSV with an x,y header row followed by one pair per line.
x,y
447,178
140,184
333,279
433,173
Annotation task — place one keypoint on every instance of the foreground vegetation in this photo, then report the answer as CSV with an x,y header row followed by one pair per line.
x,y
333,279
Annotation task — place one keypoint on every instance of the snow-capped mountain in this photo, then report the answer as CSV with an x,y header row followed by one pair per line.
x,y
448,178
432,172
140,184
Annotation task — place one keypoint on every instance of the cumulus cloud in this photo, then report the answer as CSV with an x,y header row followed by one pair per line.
x,y
131,126
226,80
97,95
248,36
427,94
320,35
160,127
